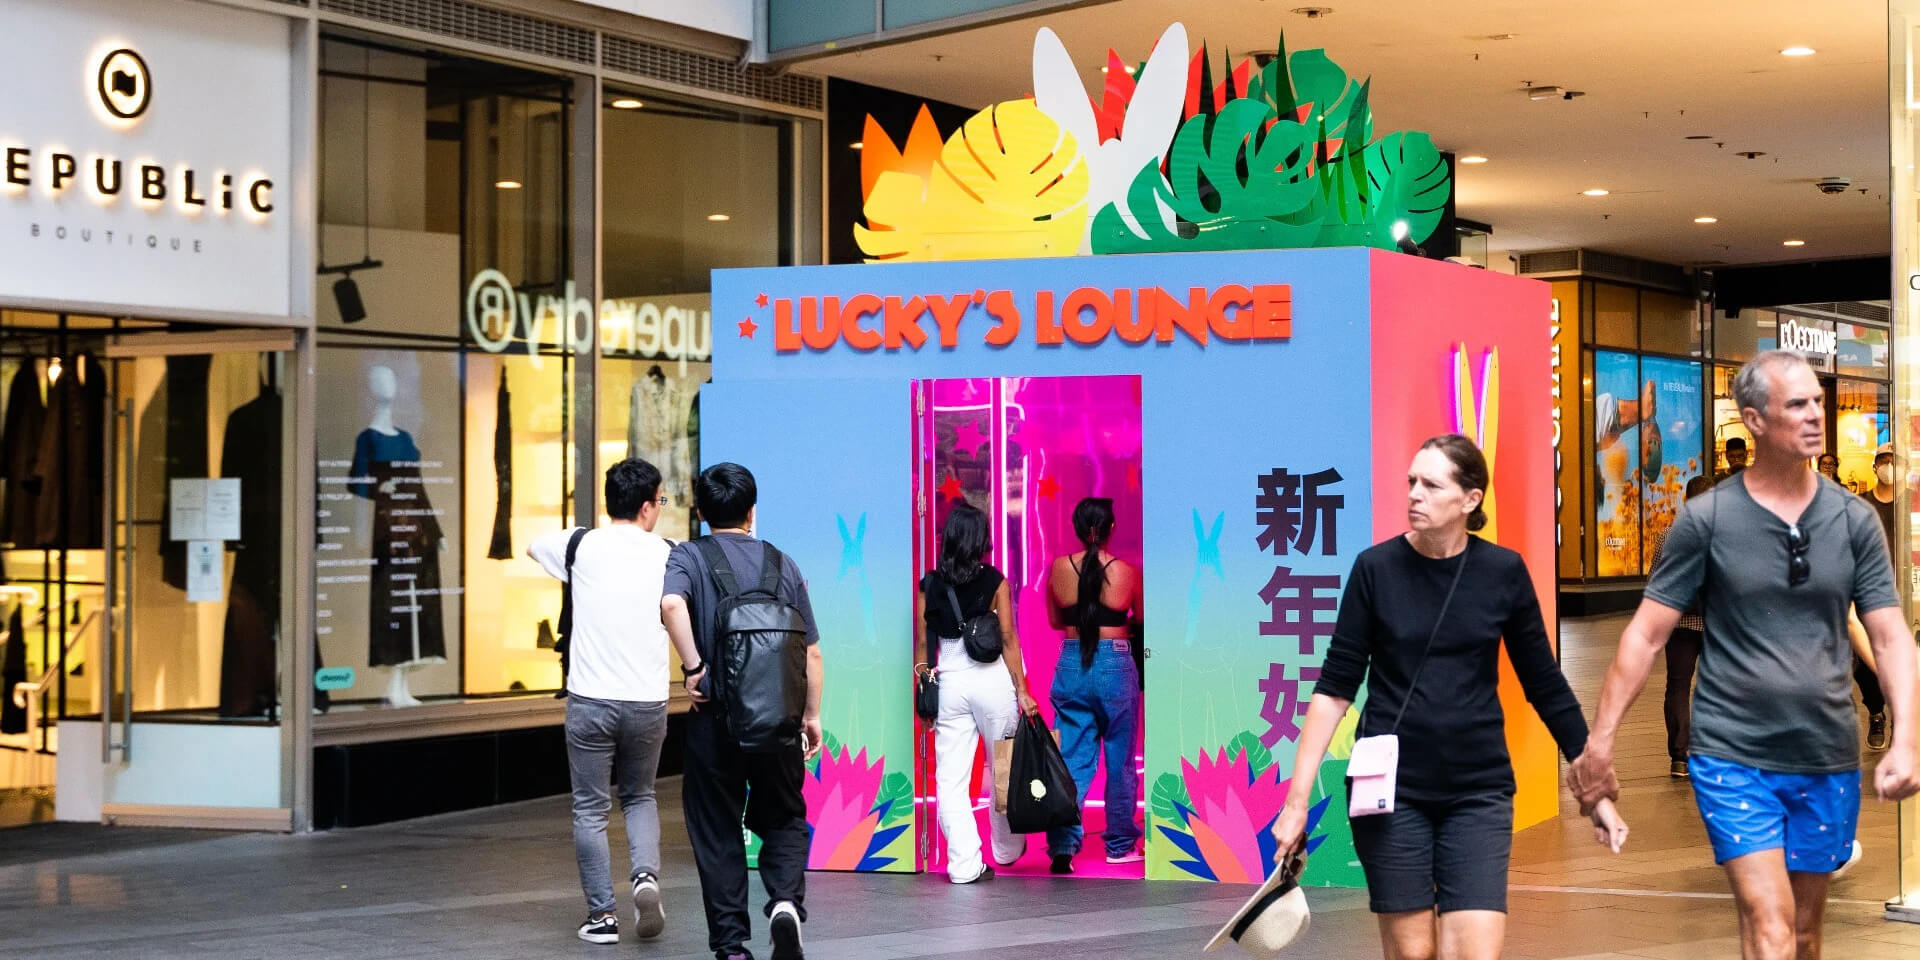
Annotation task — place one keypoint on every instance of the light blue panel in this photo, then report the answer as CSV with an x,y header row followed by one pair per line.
x,y
803,23
199,765
908,13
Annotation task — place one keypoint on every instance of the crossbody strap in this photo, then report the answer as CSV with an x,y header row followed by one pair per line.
x,y
1414,683
959,616
566,598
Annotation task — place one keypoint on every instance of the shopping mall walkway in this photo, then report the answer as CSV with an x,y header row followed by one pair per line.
x,y
500,883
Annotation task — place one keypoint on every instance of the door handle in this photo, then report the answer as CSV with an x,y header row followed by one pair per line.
x,y
126,628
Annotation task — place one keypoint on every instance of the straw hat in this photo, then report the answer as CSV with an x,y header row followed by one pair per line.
x,y
1273,918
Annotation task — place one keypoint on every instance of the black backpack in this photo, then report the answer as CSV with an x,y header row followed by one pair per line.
x,y
760,643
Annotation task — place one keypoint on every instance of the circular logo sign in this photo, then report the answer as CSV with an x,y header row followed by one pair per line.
x,y
124,85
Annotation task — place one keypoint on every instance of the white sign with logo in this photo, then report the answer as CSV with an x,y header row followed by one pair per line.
x,y
675,327
1808,339
145,156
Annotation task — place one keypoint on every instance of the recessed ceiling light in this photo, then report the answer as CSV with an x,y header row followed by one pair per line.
x,y
1476,158
1596,192
857,145
1793,243
718,217
626,103
507,184
1706,219
1797,52
1130,68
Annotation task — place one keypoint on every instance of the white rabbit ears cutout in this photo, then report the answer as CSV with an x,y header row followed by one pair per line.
x,y
1153,117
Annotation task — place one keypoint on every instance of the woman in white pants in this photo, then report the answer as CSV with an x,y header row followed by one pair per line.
x,y
976,699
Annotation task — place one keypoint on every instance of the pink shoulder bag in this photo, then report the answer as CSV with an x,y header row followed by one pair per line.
x,y
1374,768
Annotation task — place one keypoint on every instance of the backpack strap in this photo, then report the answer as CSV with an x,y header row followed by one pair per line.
x,y
566,597
718,566
770,563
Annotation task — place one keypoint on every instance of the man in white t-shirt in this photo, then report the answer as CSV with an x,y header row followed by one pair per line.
x,y
616,691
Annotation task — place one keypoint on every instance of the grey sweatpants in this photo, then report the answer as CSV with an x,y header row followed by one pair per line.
x,y
613,745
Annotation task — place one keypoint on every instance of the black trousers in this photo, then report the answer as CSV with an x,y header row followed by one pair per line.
x,y
1683,655
719,779
1871,696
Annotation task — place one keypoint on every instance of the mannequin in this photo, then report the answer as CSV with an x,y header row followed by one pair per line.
x,y
404,614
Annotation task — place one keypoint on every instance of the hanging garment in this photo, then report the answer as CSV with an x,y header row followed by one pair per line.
x,y
502,546
250,452
404,623
13,669
19,452
69,509
186,439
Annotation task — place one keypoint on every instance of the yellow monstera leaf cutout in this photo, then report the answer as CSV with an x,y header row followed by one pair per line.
x,y
1010,183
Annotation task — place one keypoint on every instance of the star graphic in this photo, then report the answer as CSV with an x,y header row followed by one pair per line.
x,y
969,437
760,301
950,488
1049,487
1133,476
747,327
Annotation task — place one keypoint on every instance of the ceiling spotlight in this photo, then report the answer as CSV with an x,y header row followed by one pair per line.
x,y
1544,93
718,217
626,103
1596,192
1706,219
857,145
507,184
1473,159
1793,243
1313,13
1797,52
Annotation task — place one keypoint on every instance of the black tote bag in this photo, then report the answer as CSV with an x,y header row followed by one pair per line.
x,y
1041,794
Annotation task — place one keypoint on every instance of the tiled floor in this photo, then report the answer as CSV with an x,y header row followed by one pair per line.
x,y
500,883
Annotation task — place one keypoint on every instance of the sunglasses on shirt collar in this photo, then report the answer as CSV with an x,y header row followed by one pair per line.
x,y
1798,569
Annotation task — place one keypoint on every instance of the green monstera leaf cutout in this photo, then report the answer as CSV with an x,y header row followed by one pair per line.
x,y
1168,800
1405,178
896,795
1236,181
1259,758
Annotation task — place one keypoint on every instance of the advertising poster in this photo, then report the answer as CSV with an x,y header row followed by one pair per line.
x,y
1670,445
1618,398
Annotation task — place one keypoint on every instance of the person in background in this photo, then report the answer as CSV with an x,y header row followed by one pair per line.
x,y
1828,466
726,787
1774,557
1096,686
1736,457
1884,499
616,692
1683,655
976,699
1421,623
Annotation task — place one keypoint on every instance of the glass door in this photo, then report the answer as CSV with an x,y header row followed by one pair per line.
x,y
190,433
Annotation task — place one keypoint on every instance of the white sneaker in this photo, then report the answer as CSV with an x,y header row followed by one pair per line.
x,y
784,924
1131,856
649,915
1853,860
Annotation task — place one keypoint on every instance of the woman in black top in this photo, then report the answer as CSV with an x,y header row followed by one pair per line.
x,y
976,699
1446,844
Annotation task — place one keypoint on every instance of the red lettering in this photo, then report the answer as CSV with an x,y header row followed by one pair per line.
x,y
947,313
786,333
1073,315
1169,314
1272,311
1238,299
1132,327
903,323
858,337
1001,308
1046,326
820,322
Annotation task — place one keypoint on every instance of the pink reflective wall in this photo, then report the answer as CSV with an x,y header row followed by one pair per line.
x,y
1026,450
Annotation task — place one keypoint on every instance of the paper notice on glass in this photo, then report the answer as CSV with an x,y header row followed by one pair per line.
x,y
223,509
187,508
205,566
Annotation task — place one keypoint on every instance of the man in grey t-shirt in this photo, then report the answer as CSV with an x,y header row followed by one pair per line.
x,y
1776,555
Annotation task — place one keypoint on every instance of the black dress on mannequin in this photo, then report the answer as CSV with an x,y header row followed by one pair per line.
x,y
69,509
502,546
19,457
250,451
13,669
404,623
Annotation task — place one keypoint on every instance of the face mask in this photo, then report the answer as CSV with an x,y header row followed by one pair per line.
x,y
1885,474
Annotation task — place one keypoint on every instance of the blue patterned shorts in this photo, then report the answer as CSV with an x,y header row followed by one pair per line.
x,y
1811,816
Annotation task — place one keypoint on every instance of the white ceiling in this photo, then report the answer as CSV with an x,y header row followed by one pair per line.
x,y
1654,72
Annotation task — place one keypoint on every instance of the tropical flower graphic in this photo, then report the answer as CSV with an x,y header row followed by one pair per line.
x,y
857,810
1220,812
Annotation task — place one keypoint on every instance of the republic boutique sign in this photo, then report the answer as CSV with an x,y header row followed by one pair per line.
x,y
141,156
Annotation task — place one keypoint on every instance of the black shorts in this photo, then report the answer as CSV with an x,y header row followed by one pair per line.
x,y
1452,854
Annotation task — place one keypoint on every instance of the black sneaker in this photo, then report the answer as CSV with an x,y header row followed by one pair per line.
x,y
784,924
603,930
1062,864
1677,770
1877,731
649,916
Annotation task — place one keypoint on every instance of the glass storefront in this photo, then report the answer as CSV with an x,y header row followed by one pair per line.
x,y
1903,101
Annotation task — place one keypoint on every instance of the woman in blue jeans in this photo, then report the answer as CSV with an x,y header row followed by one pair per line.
x,y
1096,687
